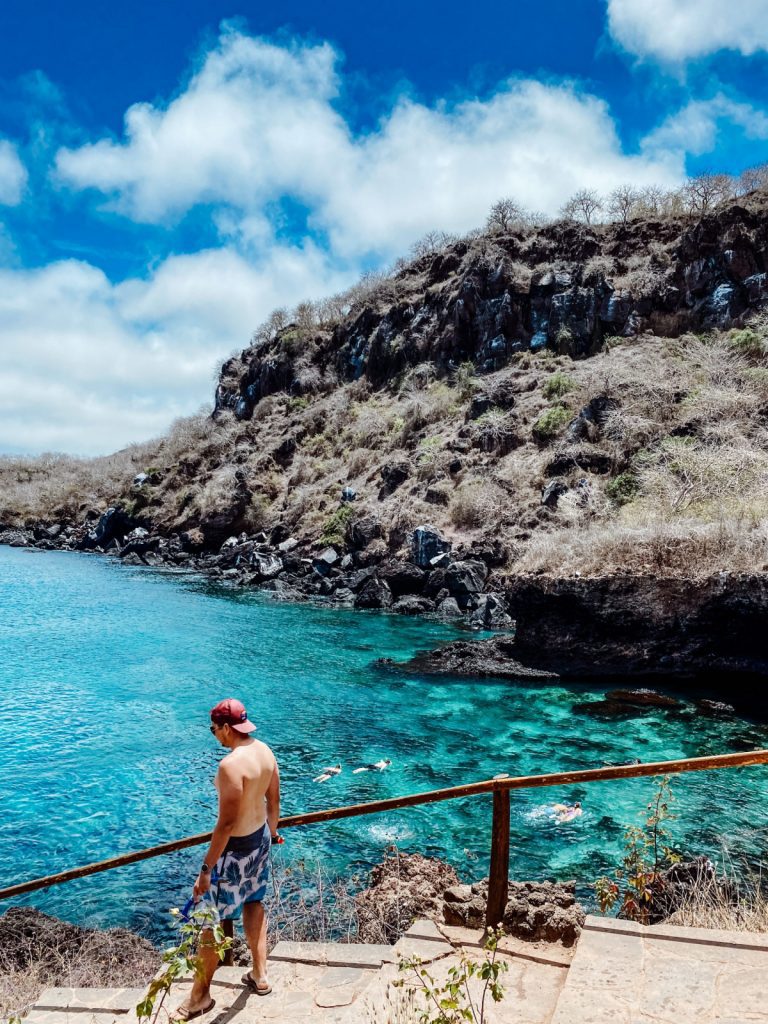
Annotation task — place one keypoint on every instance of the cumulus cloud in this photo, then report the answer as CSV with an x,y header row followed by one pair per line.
x,y
13,174
259,122
694,129
681,30
90,366
256,134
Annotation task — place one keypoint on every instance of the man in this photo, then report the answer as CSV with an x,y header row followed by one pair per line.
x,y
236,866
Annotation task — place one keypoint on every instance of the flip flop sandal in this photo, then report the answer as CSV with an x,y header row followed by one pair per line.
x,y
183,1014
260,988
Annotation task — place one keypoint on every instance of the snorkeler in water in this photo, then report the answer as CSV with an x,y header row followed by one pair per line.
x,y
377,766
567,812
328,773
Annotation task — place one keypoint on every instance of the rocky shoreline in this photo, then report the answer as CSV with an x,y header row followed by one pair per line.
x,y
697,634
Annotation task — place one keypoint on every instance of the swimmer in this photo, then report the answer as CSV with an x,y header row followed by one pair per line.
x,y
328,773
565,812
378,766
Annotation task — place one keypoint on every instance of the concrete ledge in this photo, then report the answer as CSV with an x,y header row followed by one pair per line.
x,y
677,933
334,954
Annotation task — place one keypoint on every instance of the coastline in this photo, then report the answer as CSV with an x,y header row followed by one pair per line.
x,y
698,635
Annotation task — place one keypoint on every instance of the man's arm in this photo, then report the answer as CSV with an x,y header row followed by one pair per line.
x,y
230,787
273,801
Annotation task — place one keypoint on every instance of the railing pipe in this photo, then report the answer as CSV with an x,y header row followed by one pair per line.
x,y
498,784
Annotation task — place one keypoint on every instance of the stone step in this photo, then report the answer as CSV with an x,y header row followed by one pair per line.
x,y
86,1005
532,982
333,954
625,973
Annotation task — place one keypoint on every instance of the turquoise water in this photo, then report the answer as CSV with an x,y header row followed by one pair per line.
x,y
107,673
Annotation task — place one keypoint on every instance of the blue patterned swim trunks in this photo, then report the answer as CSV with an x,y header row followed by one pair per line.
x,y
241,873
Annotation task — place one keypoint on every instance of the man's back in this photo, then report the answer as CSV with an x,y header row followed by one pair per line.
x,y
253,766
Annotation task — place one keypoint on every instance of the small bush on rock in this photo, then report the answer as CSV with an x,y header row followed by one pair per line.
x,y
336,524
623,488
551,423
557,385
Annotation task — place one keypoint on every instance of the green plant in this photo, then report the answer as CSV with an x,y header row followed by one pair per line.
x,y
557,385
452,1001
563,339
623,488
748,341
182,958
551,423
335,525
297,404
646,855
465,381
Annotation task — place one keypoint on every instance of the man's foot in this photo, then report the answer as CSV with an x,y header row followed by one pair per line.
x,y
258,985
188,1011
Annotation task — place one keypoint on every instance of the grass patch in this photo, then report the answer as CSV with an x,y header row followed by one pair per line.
x,y
557,385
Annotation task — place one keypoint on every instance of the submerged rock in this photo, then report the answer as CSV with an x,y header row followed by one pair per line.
x,y
643,698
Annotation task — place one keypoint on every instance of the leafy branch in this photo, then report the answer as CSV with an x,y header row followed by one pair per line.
x,y
182,959
452,1002
646,854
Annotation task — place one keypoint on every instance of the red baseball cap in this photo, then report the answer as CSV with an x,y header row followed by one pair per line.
x,y
232,712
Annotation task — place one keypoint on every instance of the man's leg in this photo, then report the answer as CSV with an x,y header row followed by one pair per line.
x,y
255,928
208,960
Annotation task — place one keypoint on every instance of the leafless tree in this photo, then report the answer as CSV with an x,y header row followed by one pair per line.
x,y
623,203
582,206
267,331
752,179
504,215
651,201
431,244
706,191
305,316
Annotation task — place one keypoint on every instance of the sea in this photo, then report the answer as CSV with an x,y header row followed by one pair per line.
x,y
107,675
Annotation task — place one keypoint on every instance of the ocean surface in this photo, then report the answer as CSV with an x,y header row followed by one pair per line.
x,y
107,673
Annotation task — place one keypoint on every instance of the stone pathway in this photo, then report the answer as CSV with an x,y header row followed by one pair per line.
x,y
624,973
620,973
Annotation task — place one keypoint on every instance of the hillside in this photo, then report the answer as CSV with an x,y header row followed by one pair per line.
x,y
563,403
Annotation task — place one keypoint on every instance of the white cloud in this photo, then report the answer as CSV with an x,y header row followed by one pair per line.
x,y
89,366
258,123
13,174
694,129
681,30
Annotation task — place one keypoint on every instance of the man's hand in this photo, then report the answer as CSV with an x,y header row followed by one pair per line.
x,y
202,885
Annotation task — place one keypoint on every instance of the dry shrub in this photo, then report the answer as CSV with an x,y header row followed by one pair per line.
x,y
423,407
685,546
737,901
217,492
51,486
39,952
477,503
708,480
369,425
359,461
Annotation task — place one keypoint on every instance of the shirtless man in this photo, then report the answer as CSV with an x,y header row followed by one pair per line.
x,y
236,867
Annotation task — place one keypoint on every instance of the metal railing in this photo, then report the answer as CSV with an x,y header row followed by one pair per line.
x,y
500,787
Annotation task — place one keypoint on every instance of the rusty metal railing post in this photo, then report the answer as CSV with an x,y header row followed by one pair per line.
x,y
498,876
229,933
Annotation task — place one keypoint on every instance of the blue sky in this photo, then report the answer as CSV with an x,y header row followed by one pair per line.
x,y
170,172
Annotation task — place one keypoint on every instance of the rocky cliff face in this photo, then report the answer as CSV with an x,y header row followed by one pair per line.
x,y
681,630
567,428
566,287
